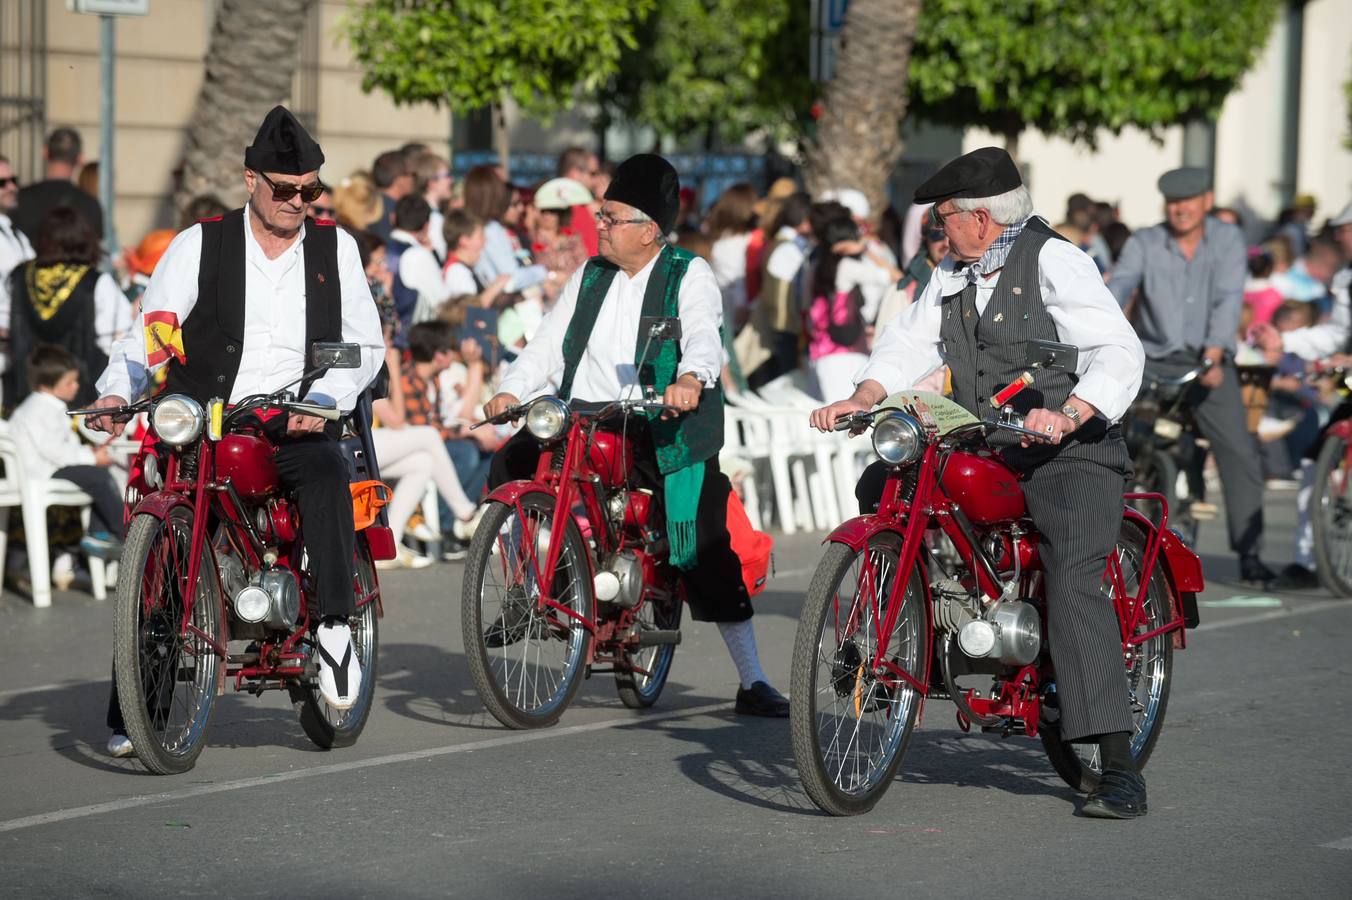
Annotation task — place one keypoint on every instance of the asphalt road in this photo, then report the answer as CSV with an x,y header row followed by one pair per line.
x,y
1249,784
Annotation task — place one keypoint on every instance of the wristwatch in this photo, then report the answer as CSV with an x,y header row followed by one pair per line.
x,y
1070,412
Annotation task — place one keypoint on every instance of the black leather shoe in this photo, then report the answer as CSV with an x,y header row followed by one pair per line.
x,y
1296,577
1252,570
1119,795
762,700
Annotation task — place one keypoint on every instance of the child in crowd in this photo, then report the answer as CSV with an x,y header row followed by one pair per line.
x,y
50,447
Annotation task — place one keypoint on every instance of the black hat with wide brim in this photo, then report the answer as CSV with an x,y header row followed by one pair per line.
x,y
985,172
282,145
649,184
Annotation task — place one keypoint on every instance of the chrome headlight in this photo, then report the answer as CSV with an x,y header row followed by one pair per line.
x,y
178,420
547,418
898,438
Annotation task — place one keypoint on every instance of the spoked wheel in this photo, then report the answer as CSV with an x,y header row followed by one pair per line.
x,y
1331,516
329,727
165,635
526,657
850,723
1149,665
640,686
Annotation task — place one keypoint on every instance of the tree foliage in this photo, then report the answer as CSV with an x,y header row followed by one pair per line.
x,y
740,64
1070,69
470,53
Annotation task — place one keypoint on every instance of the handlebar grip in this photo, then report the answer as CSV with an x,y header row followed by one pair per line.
x,y
844,423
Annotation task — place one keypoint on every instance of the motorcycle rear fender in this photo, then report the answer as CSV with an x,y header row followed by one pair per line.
x,y
160,504
1182,566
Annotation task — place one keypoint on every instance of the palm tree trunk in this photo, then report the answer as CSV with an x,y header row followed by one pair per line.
x,y
858,135
254,51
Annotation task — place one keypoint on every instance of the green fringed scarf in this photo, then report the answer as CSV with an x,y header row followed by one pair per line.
x,y
683,443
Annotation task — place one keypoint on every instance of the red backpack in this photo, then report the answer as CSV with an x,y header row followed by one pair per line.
x,y
751,546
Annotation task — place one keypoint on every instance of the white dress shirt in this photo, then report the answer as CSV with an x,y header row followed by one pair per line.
x,y
45,438
1329,337
14,249
1086,315
606,370
420,271
274,352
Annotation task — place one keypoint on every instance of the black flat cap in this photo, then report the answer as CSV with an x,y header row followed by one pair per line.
x,y
283,145
984,172
649,184
1180,184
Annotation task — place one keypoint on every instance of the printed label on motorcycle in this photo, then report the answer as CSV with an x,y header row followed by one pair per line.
x,y
935,411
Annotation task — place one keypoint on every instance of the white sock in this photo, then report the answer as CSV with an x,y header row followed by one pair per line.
x,y
741,640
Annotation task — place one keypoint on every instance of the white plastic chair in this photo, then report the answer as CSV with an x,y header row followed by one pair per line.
x,y
33,497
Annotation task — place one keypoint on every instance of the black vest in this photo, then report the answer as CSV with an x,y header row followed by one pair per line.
x,y
71,326
987,351
213,333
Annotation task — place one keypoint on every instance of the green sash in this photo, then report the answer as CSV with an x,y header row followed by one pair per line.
x,y
683,443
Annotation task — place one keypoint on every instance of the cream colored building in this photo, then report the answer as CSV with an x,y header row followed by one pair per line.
x,y
49,76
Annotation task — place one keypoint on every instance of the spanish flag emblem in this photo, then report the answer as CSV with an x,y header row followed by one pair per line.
x,y
164,339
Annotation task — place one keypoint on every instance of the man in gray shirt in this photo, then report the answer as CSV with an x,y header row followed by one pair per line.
x,y
1190,272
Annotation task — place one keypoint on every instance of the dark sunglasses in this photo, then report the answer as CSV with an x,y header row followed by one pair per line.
x,y
935,234
323,212
285,191
6,182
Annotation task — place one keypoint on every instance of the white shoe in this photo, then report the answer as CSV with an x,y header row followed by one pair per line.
x,y
407,558
464,529
119,747
339,668
423,532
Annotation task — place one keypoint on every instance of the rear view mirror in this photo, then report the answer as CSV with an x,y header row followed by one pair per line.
x,y
1051,355
659,328
327,355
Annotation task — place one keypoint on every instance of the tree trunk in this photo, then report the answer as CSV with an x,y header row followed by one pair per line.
x,y
502,138
858,135
250,64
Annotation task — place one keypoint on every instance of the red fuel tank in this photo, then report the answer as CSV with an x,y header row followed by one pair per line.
x,y
983,487
610,456
248,462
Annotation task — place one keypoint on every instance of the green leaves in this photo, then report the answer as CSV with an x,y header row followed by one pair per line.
x,y
467,53
1073,68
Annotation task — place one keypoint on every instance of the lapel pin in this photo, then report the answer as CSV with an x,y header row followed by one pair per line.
x,y
320,276
999,317
967,315
1025,317
1017,290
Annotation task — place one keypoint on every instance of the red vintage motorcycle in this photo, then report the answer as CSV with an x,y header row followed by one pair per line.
x,y
886,623
568,571
214,585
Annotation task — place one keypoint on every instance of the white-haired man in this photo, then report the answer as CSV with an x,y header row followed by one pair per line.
x,y
1009,279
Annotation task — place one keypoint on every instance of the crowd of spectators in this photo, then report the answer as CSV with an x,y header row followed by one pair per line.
x,y
463,272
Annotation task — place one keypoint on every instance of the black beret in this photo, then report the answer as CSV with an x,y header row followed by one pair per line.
x,y
648,183
1180,184
984,172
283,145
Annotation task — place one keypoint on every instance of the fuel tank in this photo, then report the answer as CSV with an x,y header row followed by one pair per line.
x,y
248,462
610,456
984,488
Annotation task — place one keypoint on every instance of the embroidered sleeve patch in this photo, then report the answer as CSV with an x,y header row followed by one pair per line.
x,y
164,339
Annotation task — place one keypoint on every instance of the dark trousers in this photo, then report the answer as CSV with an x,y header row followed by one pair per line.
x,y
97,482
1076,504
1223,422
714,587
315,473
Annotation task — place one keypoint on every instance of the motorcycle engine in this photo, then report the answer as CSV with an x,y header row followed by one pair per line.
x,y
1009,631
620,580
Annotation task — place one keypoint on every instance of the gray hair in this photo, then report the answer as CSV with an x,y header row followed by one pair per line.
x,y
642,218
1005,209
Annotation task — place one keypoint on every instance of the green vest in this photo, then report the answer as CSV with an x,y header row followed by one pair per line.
x,y
682,443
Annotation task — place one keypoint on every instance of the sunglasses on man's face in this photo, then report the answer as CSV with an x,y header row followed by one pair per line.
x,y
286,190
323,212
6,182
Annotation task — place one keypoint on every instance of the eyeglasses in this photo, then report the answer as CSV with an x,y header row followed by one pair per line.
x,y
609,221
943,217
324,212
286,190
6,182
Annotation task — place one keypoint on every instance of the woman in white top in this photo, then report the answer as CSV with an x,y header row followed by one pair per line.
x,y
731,221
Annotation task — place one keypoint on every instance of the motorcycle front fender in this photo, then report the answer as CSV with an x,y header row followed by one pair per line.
x,y
160,504
513,491
855,533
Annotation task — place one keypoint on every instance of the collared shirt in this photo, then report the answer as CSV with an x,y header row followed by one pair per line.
x,y
1185,305
274,351
1085,314
44,437
606,370
14,249
420,271
1328,337
996,254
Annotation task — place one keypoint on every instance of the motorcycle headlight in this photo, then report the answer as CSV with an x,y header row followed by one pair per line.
x,y
898,438
178,420
547,418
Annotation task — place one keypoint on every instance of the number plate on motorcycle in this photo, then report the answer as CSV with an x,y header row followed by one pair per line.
x,y
936,412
